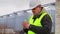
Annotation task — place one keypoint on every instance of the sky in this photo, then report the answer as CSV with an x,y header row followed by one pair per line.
x,y
10,6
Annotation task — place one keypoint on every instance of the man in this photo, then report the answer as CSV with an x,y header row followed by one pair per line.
x,y
39,23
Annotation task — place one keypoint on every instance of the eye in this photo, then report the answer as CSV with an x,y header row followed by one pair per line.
x,y
33,8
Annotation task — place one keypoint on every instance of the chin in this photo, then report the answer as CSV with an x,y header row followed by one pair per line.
x,y
35,14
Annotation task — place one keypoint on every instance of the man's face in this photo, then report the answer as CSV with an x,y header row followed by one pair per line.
x,y
37,10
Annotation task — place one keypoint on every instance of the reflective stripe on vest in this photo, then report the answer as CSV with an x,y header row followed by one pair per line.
x,y
37,22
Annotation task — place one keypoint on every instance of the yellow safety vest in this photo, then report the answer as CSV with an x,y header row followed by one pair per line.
x,y
37,22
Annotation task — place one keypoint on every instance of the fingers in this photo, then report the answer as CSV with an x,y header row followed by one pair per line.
x,y
25,24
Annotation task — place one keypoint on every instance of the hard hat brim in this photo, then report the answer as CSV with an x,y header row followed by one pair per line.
x,y
35,6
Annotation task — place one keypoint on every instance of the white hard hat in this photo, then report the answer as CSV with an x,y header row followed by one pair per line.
x,y
34,3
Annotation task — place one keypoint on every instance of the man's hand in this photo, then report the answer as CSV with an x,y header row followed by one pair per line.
x,y
25,25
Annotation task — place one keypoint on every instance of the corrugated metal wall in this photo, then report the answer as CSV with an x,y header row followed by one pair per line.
x,y
14,20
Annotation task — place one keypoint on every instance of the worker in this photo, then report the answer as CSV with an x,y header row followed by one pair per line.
x,y
40,22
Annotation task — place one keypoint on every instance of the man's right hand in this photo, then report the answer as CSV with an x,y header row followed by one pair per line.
x,y
25,25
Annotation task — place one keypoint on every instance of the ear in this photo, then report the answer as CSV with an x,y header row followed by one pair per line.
x,y
41,8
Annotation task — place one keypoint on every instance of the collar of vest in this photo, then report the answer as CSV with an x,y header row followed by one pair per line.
x,y
43,11
39,15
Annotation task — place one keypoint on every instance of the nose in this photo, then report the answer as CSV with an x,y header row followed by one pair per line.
x,y
33,11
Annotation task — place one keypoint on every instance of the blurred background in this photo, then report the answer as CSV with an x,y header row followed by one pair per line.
x,y
57,24
13,12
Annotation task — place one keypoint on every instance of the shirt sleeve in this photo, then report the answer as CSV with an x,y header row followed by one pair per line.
x,y
46,23
25,30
